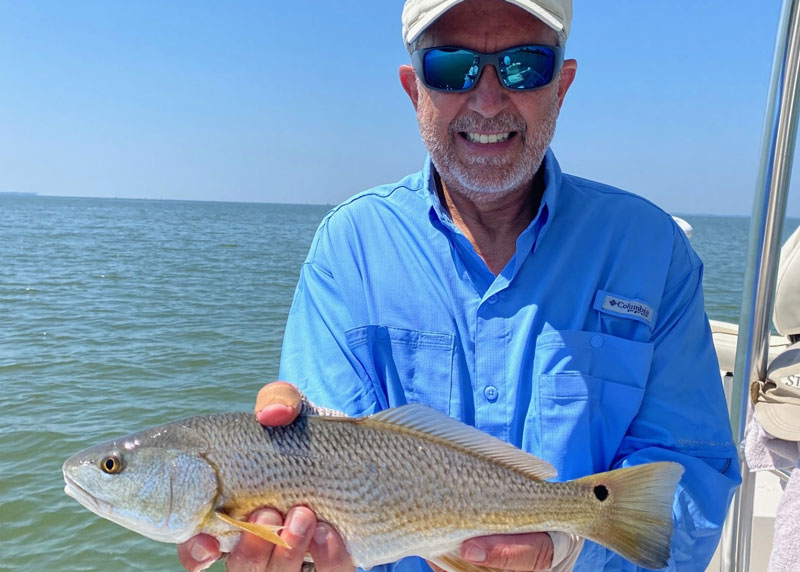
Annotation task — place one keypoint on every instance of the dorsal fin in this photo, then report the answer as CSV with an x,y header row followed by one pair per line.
x,y
421,418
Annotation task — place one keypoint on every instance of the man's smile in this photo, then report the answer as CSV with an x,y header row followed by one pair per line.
x,y
487,137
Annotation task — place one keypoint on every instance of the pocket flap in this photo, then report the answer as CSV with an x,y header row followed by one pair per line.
x,y
592,353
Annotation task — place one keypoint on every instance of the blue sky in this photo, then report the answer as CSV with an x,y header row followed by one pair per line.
x,y
299,101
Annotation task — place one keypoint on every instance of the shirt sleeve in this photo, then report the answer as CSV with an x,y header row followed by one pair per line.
x,y
316,356
683,417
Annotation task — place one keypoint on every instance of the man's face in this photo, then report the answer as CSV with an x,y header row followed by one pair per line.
x,y
522,122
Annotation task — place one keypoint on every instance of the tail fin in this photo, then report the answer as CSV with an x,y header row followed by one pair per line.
x,y
636,515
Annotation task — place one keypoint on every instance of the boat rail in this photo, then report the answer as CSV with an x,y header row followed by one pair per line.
x,y
769,211
782,474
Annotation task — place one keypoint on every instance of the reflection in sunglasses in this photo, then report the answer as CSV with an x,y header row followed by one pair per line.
x,y
451,68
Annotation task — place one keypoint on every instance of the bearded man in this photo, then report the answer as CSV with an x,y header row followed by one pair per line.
x,y
556,313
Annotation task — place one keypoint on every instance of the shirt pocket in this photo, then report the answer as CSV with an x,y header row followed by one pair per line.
x,y
589,388
404,365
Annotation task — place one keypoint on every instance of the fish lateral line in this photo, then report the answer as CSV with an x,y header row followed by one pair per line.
x,y
438,429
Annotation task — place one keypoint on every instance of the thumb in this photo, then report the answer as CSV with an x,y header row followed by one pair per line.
x,y
278,403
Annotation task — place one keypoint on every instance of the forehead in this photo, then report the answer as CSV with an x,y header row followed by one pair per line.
x,y
488,26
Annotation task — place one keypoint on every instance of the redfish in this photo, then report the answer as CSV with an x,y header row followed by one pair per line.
x,y
404,482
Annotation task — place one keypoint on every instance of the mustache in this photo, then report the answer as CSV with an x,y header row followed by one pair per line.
x,y
475,122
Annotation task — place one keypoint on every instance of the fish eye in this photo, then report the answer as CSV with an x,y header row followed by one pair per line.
x,y
111,465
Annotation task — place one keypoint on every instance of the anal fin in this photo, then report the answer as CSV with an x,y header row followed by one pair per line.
x,y
453,562
265,531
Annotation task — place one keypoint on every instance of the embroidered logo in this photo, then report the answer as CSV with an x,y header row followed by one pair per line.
x,y
613,304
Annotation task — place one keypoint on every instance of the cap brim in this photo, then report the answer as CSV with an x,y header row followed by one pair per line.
x,y
781,420
422,23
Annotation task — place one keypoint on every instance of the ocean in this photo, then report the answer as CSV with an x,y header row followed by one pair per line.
x,y
120,314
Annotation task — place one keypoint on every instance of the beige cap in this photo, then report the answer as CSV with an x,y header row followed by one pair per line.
x,y
419,14
777,400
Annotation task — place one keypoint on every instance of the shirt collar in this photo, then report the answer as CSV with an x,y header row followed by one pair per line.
x,y
437,213
553,179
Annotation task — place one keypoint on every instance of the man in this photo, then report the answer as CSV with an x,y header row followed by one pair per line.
x,y
555,313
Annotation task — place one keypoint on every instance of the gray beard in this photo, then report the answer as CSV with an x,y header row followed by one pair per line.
x,y
484,178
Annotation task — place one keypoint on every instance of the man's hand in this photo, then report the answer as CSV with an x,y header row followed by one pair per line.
x,y
523,552
520,552
277,404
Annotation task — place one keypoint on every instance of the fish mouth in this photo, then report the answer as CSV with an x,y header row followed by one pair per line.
x,y
107,510
83,496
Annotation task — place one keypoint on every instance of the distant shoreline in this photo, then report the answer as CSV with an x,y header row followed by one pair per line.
x,y
327,205
146,199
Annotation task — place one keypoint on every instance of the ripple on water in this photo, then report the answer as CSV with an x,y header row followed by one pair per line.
x,y
119,315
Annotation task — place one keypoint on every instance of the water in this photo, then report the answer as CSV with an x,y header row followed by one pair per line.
x,y
115,315
119,314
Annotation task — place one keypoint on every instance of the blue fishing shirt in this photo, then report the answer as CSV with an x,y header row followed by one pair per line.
x,y
591,349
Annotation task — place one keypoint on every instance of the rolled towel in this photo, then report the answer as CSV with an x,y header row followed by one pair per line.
x,y
765,452
785,555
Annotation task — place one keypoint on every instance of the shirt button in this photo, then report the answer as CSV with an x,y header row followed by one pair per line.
x,y
597,341
491,393
492,299
382,333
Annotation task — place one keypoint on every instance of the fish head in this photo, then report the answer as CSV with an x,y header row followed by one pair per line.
x,y
147,482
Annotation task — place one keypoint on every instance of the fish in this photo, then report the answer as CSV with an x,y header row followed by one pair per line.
x,y
407,481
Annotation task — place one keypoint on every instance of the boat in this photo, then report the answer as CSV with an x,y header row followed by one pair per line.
x,y
745,350
786,322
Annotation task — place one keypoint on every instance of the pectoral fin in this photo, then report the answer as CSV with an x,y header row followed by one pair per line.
x,y
265,531
453,562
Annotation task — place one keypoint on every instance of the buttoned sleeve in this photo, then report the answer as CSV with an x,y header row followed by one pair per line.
x,y
683,417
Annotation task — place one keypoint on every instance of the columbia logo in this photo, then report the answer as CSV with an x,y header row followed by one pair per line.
x,y
631,308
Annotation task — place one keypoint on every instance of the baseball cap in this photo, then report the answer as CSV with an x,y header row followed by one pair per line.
x,y
419,14
777,400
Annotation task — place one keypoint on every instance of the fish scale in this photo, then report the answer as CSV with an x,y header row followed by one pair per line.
x,y
407,481
350,493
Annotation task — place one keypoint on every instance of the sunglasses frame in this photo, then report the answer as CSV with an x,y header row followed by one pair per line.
x,y
484,59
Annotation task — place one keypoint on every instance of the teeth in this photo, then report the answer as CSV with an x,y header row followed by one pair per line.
x,y
483,138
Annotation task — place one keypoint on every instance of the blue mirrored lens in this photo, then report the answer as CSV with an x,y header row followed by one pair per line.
x,y
527,67
450,69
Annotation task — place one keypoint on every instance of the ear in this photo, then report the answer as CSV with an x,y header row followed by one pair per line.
x,y
408,79
568,70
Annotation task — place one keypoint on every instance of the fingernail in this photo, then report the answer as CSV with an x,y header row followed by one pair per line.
x,y
269,517
321,534
200,553
475,554
299,523
282,400
284,394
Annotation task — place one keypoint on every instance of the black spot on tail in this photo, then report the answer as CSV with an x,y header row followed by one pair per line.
x,y
601,492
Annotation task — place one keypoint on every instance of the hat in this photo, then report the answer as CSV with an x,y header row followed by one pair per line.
x,y
777,400
419,14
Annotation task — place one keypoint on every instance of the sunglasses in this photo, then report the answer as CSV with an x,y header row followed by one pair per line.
x,y
458,69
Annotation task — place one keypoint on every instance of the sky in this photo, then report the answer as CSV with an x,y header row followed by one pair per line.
x,y
299,102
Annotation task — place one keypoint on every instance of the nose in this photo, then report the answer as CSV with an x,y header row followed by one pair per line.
x,y
488,97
